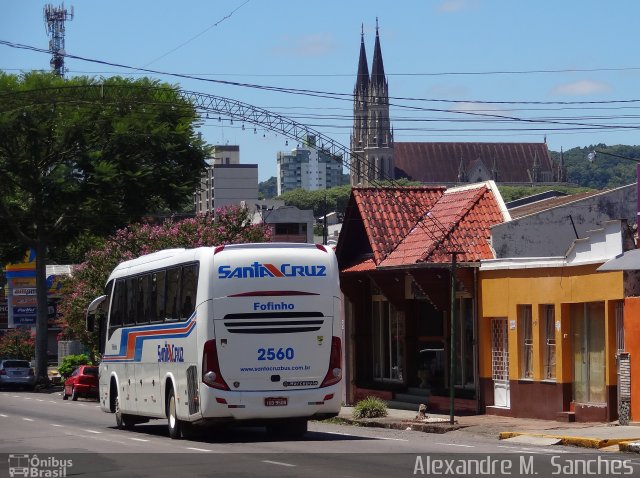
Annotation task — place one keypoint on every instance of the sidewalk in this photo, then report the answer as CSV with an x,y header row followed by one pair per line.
x,y
589,435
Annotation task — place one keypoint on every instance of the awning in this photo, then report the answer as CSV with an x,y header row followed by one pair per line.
x,y
627,261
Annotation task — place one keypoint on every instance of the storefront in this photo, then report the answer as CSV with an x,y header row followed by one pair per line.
x,y
553,328
395,257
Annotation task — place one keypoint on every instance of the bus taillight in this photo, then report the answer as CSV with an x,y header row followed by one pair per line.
x,y
211,367
334,374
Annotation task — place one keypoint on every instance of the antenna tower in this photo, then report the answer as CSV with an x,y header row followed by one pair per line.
x,y
54,18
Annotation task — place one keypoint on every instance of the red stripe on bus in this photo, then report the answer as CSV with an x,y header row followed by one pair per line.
x,y
274,270
263,293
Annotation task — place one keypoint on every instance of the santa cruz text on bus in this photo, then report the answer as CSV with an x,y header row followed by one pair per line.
x,y
269,270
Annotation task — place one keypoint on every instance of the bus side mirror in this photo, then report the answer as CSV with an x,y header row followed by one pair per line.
x,y
91,323
91,312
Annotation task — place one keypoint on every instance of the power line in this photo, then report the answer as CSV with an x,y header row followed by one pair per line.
x,y
198,35
308,92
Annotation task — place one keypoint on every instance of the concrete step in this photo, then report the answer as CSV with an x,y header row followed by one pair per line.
x,y
411,398
566,417
417,391
400,405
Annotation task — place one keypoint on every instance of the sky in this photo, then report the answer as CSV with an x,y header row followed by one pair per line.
x,y
458,70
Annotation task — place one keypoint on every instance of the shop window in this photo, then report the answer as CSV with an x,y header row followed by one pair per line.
x,y
465,357
548,319
388,342
525,328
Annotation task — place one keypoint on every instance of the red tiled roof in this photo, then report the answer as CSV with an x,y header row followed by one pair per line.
x,y
362,266
470,236
459,221
388,214
439,162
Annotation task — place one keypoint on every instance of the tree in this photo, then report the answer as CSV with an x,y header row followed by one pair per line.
x,y
17,343
231,226
85,156
604,171
333,199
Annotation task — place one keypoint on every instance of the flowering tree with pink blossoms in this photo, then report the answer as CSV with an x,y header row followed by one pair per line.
x,y
231,226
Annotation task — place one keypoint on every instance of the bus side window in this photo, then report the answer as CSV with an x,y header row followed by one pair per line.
x,y
173,294
132,298
189,290
158,293
117,307
144,295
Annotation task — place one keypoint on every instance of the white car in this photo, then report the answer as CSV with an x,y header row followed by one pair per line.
x,y
17,372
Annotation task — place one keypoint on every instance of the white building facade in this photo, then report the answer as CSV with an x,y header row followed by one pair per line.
x,y
307,167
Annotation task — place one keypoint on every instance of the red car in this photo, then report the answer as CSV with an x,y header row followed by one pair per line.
x,y
83,381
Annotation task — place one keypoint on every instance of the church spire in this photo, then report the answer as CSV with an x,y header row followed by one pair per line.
x,y
377,67
372,135
362,82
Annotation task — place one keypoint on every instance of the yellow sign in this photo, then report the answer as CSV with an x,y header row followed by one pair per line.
x,y
18,282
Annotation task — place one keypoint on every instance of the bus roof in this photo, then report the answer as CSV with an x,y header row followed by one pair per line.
x,y
177,255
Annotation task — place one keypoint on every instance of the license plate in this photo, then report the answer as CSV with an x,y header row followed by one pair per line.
x,y
275,402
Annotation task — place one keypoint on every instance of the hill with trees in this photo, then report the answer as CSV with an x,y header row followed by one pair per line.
x,y
268,189
604,171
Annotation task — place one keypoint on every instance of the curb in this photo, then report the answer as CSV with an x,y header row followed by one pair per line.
x,y
629,446
409,425
576,441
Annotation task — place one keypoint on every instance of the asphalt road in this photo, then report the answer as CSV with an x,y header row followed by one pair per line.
x,y
57,430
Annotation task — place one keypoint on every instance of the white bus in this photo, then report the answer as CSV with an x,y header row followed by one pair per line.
x,y
247,333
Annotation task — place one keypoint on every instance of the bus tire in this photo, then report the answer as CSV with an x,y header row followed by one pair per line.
x,y
289,428
123,420
175,425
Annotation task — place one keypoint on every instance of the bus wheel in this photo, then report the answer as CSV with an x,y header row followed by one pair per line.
x,y
175,431
124,421
290,428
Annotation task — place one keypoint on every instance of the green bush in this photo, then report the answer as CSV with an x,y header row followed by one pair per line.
x,y
370,407
70,362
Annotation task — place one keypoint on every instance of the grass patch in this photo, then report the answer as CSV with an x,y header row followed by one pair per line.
x,y
370,407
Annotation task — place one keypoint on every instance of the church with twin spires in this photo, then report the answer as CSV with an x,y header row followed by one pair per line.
x,y
377,157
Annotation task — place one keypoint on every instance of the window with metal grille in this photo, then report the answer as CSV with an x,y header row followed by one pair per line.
x,y
526,341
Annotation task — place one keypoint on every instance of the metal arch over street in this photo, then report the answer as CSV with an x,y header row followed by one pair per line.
x,y
265,119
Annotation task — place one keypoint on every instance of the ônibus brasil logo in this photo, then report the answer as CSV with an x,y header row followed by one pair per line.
x,y
269,270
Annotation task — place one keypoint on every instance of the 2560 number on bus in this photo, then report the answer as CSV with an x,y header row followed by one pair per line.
x,y
273,354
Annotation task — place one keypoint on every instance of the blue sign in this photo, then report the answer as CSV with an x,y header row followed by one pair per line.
x,y
24,311
24,320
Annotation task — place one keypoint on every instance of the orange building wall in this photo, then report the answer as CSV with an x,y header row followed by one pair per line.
x,y
501,291
632,345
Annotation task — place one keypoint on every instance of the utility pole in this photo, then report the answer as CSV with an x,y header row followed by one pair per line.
x,y
54,18
452,339
324,223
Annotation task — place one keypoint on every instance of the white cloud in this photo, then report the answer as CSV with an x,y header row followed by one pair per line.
x,y
581,88
477,108
451,6
309,45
